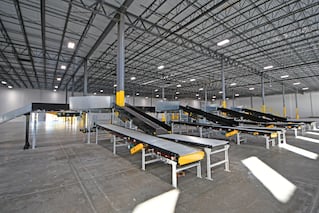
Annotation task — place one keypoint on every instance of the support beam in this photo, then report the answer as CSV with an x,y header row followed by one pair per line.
x,y
311,103
284,113
26,40
163,93
72,94
205,99
27,126
251,102
42,4
85,83
66,94
223,84
106,31
296,99
120,94
263,106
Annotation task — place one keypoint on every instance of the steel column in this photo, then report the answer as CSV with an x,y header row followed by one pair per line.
x,y
163,93
120,95
205,99
27,125
311,104
72,94
296,99
284,101
223,84
263,106
251,102
85,83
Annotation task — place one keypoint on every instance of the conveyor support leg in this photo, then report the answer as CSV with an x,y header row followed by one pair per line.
x,y
96,135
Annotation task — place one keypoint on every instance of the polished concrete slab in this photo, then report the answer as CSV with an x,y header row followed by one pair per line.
x,y
63,174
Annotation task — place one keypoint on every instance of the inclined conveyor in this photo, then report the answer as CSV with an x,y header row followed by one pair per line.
x,y
269,134
179,156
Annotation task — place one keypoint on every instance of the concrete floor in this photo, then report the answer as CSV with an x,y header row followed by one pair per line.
x,y
65,175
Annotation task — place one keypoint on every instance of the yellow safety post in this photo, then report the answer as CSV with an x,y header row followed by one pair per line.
x,y
120,101
136,148
297,113
263,108
270,126
284,111
224,104
190,158
163,118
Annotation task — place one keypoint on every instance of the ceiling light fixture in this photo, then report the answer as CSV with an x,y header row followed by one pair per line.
x,y
268,67
156,90
101,91
236,95
197,95
94,93
296,83
284,76
220,92
177,93
146,97
63,67
200,89
54,90
157,96
178,85
133,78
58,79
305,88
214,96
10,87
233,84
223,42
115,85
56,87
137,94
251,88
71,45
3,82
160,67
193,79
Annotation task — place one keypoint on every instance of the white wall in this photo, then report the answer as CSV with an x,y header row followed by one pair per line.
x,y
12,99
15,98
274,104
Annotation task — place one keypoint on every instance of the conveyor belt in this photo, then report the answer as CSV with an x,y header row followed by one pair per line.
x,y
158,150
164,145
208,144
242,115
204,142
149,117
209,116
267,115
144,123
270,133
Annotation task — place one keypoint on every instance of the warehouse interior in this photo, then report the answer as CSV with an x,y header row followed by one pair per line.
x,y
78,75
